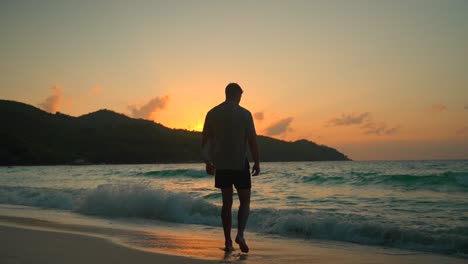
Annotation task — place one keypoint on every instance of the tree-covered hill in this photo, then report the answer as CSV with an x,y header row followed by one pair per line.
x,y
30,136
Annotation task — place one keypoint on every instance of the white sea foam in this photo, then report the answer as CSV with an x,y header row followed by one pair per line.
x,y
139,201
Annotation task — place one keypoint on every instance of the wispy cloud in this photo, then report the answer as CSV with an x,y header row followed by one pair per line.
x,y
279,127
463,131
96,89
349,119
379,128
145,111
366,123
259,116
437,108
52,103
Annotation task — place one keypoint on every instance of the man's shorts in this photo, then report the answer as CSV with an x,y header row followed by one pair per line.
x,y
239,178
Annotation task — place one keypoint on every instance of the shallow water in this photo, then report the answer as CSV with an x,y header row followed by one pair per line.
x,y
416,205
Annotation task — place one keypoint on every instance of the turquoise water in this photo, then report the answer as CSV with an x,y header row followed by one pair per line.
x,y
417,205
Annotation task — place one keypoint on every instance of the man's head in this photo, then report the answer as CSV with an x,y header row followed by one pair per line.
x,y
233,92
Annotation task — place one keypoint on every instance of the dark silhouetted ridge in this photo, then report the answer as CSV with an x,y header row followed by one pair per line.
x,y
106,116
31,136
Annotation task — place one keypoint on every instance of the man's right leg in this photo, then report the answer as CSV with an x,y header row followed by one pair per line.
x,y
226,217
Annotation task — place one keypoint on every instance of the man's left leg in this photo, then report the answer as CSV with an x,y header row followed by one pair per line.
x,y
242,217
226,217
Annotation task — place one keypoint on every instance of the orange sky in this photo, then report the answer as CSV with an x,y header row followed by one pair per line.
x,y
376,80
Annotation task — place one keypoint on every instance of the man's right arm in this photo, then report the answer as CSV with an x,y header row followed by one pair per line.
x,y
255,154
252,139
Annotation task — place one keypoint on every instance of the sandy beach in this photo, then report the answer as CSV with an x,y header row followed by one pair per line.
x,y
40,240
33,246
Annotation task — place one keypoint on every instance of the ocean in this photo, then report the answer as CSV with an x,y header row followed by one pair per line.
x,y
410,205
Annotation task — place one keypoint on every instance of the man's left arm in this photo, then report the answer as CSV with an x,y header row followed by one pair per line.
x,y
205,146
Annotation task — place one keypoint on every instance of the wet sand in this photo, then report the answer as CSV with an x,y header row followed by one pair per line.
x,y
34,246
51,238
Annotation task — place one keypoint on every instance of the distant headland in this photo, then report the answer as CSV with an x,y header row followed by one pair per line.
x,y
31,136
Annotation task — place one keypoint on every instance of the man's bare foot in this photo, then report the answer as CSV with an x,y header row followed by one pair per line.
x,y
228,248
243,246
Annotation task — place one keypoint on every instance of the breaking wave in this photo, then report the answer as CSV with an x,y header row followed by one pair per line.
x,y
442,181
142,202
175,173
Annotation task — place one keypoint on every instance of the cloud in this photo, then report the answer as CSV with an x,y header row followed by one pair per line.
x,y
259,116
463,130
366,123
437,108
52,103
466,107
145,111
378,128
351,119
279,127
96,90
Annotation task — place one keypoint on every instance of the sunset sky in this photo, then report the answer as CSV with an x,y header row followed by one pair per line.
x,y
373,79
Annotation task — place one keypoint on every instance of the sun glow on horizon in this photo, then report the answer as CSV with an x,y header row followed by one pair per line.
x,y
346,74
198,127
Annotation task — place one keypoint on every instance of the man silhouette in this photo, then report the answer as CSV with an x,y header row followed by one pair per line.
x,y
227,130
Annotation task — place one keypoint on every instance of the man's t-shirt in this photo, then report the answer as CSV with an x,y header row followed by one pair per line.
x,y
227,127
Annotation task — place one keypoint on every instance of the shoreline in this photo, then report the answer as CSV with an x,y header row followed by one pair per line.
x,y
175,162
201,162
48,238
21,245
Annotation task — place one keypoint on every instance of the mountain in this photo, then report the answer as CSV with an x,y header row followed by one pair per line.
x,y
30,136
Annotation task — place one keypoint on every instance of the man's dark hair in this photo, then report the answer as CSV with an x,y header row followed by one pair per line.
x,y
233,90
